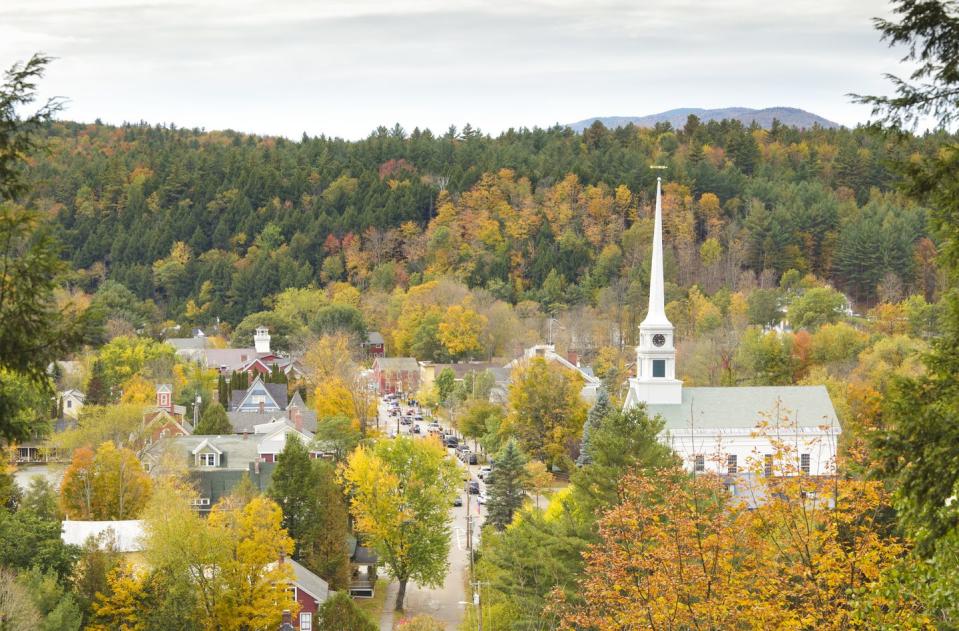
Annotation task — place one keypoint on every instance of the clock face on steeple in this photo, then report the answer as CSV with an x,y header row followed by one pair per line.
x,y
659,339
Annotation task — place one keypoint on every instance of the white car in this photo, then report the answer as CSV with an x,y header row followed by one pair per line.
x,y
481,499
485,471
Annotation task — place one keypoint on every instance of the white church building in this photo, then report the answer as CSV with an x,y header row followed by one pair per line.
x,y
717,429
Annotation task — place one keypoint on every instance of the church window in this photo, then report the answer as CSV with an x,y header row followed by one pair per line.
x,y
732,466
768,466
659,367
699,463
805,463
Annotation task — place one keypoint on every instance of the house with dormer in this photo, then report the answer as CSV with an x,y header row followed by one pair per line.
x,y
218,463
265,403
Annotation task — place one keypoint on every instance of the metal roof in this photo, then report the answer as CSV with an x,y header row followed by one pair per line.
x,y
310,582
744,407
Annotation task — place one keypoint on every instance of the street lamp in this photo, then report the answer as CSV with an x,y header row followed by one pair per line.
x,y
196,410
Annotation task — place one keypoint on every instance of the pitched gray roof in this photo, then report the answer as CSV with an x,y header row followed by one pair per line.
x,y
744,407
186,343
240,451
374,337
397,364
229,357
310,582
278,392
245,421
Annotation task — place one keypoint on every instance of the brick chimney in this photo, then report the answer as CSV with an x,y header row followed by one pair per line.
x,y
297,418
287,622
573,358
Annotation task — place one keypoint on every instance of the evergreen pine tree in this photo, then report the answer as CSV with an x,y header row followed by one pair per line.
x,y
98,390
596,415
223,392
214,421
506,485
293,487
325,552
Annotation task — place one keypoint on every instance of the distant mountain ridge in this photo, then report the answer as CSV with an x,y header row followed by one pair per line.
x,y
791,116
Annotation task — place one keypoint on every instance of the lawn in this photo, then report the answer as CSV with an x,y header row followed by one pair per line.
x,y
374,606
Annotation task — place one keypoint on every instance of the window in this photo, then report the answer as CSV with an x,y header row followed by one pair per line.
x,y
201,501
69,404
659,367
207,459
699,463
768,466
805,463
732,466
306,621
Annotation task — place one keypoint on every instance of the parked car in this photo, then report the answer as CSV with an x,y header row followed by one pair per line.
x,y
418,417
434,427
451,441
485,471
406,421
457,501
471,458
416,429
481,499
473,487
462,453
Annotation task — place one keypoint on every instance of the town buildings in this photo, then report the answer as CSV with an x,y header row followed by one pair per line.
x,y
727,430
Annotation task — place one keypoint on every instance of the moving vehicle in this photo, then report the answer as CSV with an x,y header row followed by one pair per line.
x,y
473,487
481,499
451,441
485,471
457,501
416,429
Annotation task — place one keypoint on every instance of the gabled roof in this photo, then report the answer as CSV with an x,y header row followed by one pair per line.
x,y
296,401
76,394
276,391
743,407
274,443
206,443
374,337
165,387
246,422
161,413
396,364
310,583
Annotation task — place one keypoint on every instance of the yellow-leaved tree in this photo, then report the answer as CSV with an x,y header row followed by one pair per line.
x,y
400,493
460,330
232,561
107,484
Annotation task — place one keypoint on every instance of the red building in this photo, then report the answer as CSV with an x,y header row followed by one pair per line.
x,y
396,374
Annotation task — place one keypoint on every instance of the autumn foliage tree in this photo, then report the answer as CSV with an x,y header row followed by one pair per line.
x,y
400,493
546,411
107,484
679,552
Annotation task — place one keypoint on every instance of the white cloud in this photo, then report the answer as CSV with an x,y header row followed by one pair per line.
x,y
342,67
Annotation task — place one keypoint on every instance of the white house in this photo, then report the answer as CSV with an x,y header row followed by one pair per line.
x,y
726,430
72,402
591,383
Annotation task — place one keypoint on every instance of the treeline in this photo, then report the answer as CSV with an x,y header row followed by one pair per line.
x,y
211,224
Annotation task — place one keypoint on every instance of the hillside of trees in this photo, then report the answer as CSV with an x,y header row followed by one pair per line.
x,y
203,226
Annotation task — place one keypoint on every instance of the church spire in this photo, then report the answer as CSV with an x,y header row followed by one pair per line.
x,y
656,316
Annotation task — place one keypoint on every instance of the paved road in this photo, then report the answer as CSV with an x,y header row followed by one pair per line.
x,y
443,603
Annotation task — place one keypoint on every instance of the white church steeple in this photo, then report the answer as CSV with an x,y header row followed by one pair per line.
x,y
655,380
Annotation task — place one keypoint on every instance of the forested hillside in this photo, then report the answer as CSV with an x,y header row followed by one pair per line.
x,y
211,224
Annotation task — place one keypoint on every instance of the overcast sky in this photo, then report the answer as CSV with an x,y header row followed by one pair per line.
x,y
342,67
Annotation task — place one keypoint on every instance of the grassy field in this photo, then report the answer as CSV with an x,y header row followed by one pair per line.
x,y
374,606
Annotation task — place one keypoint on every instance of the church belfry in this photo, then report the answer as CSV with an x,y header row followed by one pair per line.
x,y
656,381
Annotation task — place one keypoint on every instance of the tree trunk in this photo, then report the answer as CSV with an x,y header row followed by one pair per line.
x,y
400,595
